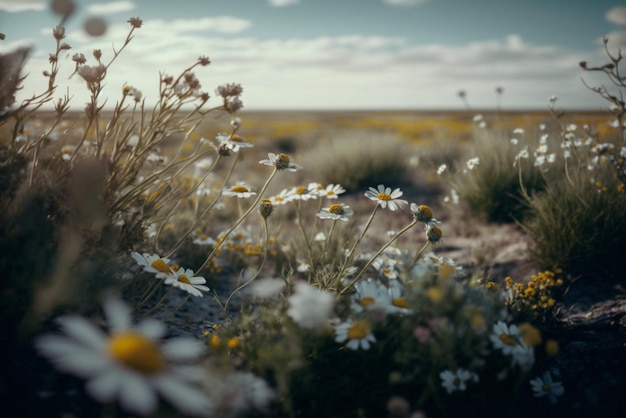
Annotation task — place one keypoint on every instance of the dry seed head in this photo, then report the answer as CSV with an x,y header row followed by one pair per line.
x,y
266,208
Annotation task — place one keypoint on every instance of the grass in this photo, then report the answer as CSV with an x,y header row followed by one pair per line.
x,y
323,265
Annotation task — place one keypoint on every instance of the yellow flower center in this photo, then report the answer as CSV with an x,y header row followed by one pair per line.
x,y
426,211
384,196
336,209
400,302
236,138
546,387
136,352
456,382
183,278
160,265
240,189
283,158
367,301
507,339
301,190
359,330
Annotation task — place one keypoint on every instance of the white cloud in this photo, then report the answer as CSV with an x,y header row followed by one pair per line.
x,y
12,6
405,2
110,7
617,15
616,40
332,72
281,3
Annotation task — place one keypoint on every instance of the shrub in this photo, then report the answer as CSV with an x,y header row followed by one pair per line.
x,y
357,160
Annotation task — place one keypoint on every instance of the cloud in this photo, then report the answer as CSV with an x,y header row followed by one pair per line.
x,y
110,7
616,40
13,6
282,3
355,71
617,15
405,2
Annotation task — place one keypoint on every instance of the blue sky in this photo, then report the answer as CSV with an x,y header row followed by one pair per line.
x,y
339,54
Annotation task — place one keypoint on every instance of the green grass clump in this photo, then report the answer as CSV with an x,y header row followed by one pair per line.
x,y
579,226
358,160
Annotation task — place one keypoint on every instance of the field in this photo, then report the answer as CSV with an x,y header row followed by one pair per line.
x,y
187,258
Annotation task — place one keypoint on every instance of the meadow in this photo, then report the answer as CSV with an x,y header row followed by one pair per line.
x,y
185,257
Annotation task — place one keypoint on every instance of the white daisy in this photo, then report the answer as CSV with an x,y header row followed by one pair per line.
x,y
241,190
357,332
472,162
332,191
310,307
187,281
280,161
370,295
153,263
336,211
453,381
545,386
127,365
385,197
506,337
232,142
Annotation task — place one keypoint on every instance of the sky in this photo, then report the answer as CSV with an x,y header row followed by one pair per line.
x,y
336,54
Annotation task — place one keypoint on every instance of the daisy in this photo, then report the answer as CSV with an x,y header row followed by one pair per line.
x,y
472,162
332,191
281,198
303,193
357,332
185,280
506,337
232,142
153,263
442,168
384,196
423,214
127,364
370,295
337,211
310,307
241,190
545,386
453,381
280,161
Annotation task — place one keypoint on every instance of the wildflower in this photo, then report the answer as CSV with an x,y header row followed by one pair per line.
x,y
240,391
135,22
358,333
545,386
186,280
92,74
441,169
384,196
433,234
337,211
280,161
266,208
231,142
241,190
128,364
453,381
204,60
267,288
79,58
423,214
310,307
303,193
153,263
202,166
505,337
399,303
332,191
281,198
523,153
472,162
229,89
370,295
